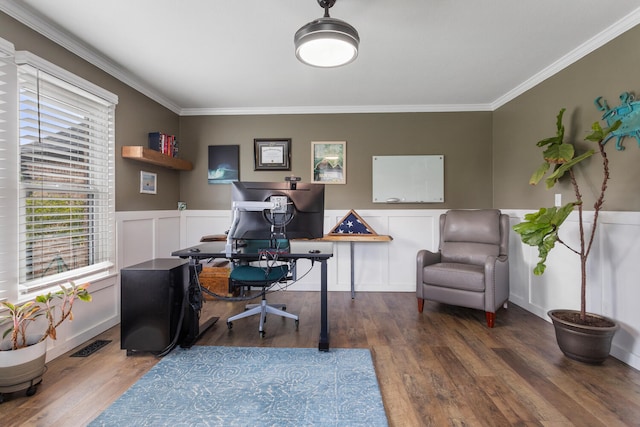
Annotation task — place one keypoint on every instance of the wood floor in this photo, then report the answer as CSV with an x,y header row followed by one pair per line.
x,y
442,367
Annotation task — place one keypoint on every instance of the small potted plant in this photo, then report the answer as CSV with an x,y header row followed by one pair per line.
x,y
22,355
581,336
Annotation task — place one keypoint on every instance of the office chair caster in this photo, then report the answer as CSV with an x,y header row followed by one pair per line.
x,y
229,325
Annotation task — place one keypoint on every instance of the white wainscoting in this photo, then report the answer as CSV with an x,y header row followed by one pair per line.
x,y
145,235
613,272
379,266
614,267
102,313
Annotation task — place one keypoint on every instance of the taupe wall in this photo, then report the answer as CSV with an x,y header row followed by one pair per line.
x,y
136,115
463,138
518,125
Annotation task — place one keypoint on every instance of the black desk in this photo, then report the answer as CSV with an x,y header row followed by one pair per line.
x,y
300,249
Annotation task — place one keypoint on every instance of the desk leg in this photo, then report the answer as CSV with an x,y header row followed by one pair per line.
x,y
353,287
323,344
192,329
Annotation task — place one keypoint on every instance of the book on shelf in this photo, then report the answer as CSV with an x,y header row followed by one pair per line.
x,y
165,144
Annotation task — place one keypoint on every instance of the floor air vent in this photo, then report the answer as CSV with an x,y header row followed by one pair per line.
x,y
91,348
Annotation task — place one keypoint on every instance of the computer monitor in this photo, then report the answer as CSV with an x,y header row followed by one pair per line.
x,y
301,217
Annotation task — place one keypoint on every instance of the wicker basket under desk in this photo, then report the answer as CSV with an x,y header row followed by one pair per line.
x,y
215,277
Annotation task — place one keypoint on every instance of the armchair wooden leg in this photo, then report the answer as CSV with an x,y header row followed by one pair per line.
x,y
491,319
420,305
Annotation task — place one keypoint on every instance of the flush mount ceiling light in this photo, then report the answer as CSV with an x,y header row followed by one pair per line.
x,y
326,41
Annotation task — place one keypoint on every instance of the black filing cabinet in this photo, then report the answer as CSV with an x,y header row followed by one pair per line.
x,y
151,303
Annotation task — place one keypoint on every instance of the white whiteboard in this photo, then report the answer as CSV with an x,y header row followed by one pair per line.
x,y
408,179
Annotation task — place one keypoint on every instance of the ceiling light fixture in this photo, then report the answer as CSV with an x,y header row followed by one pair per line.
x,y
326,42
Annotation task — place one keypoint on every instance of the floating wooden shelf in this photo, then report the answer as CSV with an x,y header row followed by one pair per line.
x,y
147,155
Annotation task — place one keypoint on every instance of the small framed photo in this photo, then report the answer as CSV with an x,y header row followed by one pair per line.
x,y
329,162
272,154
148,182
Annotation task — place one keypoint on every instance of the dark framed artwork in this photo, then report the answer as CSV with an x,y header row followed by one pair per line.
x,y
224,164
272,154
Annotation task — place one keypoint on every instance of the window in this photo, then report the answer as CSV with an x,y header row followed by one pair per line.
x,y
65,177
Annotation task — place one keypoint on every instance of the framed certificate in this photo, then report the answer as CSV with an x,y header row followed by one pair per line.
x,y
272,154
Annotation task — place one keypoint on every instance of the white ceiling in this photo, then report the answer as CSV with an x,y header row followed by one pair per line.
x,y
236,57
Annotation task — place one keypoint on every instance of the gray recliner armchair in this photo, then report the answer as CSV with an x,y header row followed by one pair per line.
x,y
471,267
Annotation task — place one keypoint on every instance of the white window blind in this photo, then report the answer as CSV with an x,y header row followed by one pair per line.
x,y
66,176
8,173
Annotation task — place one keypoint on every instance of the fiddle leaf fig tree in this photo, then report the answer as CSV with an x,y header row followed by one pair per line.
x,y
541,228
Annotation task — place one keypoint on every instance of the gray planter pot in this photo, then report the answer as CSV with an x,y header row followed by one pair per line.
x,y
22,369
586,344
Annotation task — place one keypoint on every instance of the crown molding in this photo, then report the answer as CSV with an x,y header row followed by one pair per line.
x,y
596,42
342,109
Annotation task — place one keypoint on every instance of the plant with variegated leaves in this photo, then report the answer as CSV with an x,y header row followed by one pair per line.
x,y
55,306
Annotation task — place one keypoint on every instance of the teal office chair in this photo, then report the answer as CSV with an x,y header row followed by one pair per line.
x,y
248,276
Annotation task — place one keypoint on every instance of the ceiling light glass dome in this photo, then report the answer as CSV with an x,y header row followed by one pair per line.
x,y
326,41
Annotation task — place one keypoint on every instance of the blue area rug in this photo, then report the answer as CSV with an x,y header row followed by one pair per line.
x,y
247,386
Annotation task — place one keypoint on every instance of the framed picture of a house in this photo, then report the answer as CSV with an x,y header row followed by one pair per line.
x,y
329,162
